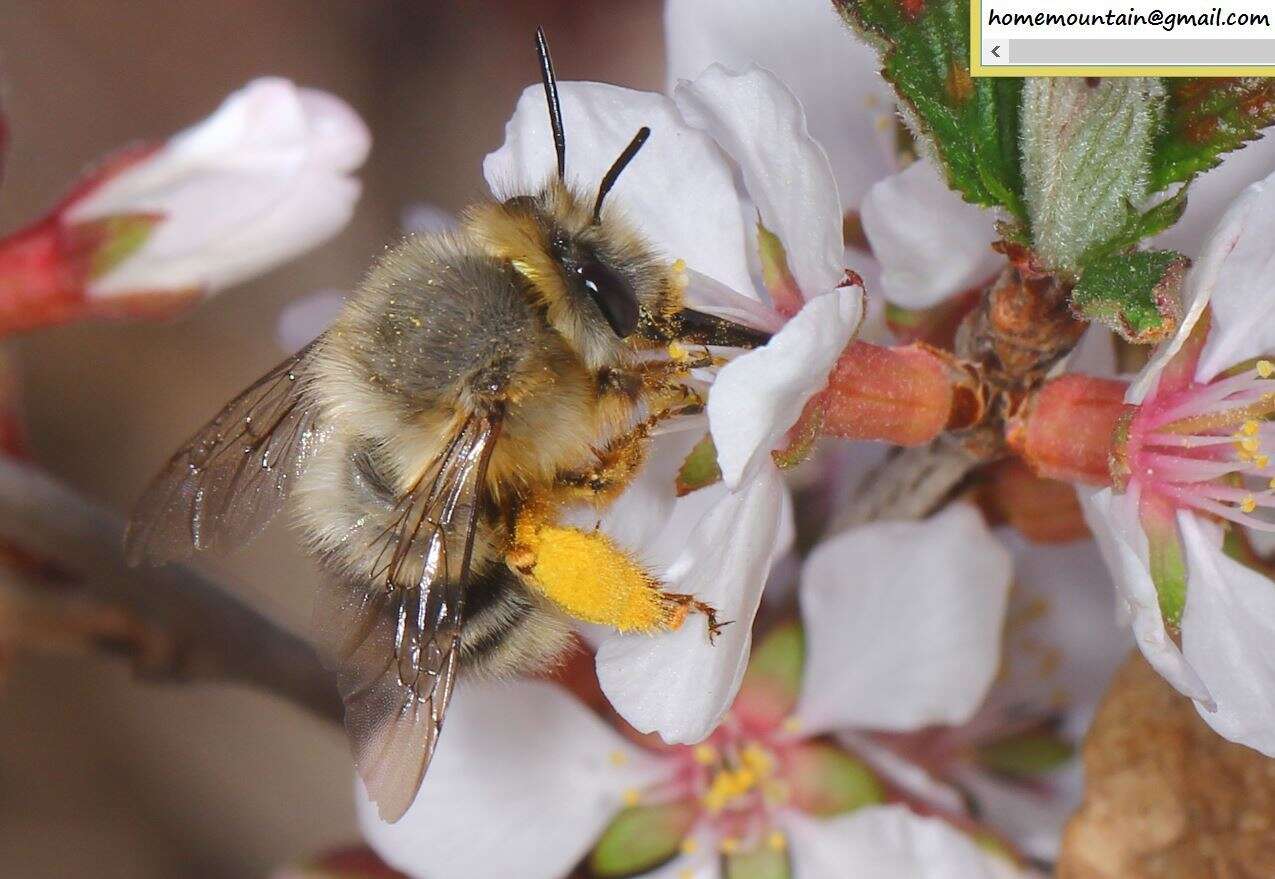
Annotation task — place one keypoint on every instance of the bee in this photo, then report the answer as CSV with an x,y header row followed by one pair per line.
x,y
475,383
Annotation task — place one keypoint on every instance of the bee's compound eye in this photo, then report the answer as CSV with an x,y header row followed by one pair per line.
x,y
613,295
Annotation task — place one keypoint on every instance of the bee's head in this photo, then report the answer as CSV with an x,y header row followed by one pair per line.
x,y
593,274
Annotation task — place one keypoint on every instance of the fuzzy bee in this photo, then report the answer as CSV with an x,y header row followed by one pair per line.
x,y
476,383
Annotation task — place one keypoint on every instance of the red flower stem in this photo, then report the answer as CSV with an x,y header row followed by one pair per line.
x,y
1065,431
904,395
41,283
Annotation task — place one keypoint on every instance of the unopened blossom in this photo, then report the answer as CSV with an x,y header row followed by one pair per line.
x,y
770,256
898,633
263,179
1192,459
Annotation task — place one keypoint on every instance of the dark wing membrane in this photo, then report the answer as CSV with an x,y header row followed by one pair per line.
x,y
396,636
232,477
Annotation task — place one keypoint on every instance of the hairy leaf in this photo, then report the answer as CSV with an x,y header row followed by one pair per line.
x,y
1205,118
970,126
1136,294
1138,226
1086,146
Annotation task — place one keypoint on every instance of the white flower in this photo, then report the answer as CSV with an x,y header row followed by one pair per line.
x,y
922,604
1196,451
682,195
263,179
929,243
1061,645
526,781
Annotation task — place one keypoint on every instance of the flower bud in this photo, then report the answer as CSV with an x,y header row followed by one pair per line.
x,y
262,180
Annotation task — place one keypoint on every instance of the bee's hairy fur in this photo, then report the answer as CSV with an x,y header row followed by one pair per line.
x,y
480,320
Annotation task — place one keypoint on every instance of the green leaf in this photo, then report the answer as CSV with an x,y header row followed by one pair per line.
x,y
1205,118
1030,753
772,683
700,469
1086,148
763,862
1138,226
828,781
970,125
641,838
1136,294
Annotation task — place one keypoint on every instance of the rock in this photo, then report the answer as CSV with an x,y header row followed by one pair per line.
x,y
1165,796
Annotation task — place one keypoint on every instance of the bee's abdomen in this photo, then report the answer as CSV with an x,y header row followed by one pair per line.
x,y
507,629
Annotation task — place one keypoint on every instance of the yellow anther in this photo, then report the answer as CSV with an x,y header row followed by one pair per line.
x,y
792,725
1249,504
1271,484
1265,368
1262,461
689,846
632,797
777,841
705,755
1250,444
618,758
679,265
758,759
729,845
1250,427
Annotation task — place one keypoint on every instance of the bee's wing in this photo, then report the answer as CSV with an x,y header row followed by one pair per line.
x,y
397,639
232,477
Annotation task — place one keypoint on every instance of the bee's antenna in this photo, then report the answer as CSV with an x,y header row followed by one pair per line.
x,y
551,96
618,167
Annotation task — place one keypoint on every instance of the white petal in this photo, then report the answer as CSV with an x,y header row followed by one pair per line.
x,y
882,842
758,122
303,319
1240,263
713,297
679,191
1212,193
1213,272
759,395
678,684
1031,815
493,804
849,108
1228,636
911,777
263,179
903,623
931,243
428,219
1095,354
1062,602
1113,519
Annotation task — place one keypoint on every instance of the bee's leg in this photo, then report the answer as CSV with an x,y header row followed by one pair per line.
x,y
624,455
592,579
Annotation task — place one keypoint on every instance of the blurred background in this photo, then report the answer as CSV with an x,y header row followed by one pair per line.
x,y
101,775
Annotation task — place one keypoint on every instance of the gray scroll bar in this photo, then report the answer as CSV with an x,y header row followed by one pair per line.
x,y
1146,51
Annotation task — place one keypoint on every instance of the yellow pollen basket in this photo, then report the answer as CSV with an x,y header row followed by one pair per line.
x,y
588,575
